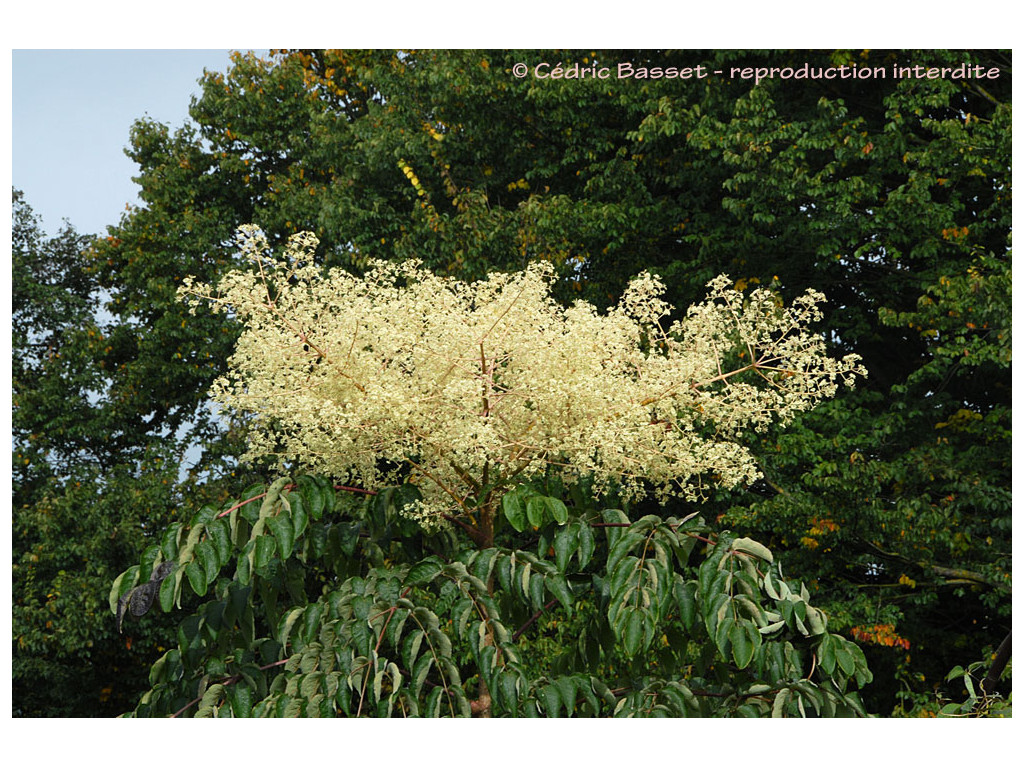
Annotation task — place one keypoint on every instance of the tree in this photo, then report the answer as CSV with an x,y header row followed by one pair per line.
x,y
453,389
892,195
77,517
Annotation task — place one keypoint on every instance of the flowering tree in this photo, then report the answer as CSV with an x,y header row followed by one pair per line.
x,y
444,411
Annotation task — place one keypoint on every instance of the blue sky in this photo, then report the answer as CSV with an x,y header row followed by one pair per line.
x,y
71,115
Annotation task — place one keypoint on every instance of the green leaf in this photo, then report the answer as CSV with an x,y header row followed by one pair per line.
x,y
587,544
245,562
419,673
196,577
206,553
536,510
552,700
633,634
311,495
845,660
147,560
723,634
559,587
300,518
780,703
816,621
287,623
567,690
170,540
537,591
219,533
557,509
424,572
564,544
827,654
240,698
264,552
168,590
186,552
122,584
283,531
745,642
685,593
411,648
514,509
752,547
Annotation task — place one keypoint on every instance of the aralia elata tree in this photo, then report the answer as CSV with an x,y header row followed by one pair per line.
x,y
460,462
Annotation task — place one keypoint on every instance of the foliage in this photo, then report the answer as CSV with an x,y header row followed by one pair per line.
x,y
979,702
76,519
313,604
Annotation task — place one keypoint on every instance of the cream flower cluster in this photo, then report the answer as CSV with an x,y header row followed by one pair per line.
x,y
465,388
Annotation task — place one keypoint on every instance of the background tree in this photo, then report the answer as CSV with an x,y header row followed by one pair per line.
x,y
79,508
893,197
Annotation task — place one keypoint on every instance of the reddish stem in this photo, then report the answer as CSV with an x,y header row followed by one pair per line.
x,y
228,681
289,487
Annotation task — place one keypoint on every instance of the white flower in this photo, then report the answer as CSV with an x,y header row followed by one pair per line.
x,y
471,387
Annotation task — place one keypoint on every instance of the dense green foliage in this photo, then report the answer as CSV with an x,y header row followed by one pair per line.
x,y
892,197
320,606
